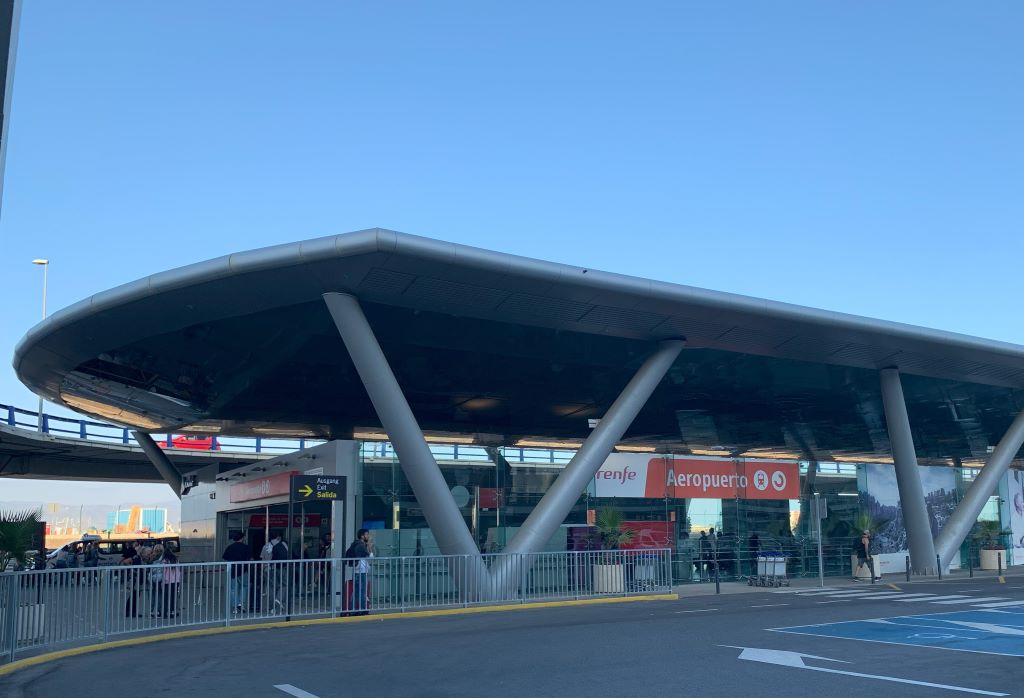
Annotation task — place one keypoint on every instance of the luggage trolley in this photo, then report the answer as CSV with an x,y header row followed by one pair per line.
x,y
771,571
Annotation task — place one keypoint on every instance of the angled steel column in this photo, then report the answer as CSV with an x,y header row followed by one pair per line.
x,y
160,461
908,479
418,464
558,501
947,543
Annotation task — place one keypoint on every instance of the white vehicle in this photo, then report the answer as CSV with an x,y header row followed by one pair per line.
x,y
63,553
111,551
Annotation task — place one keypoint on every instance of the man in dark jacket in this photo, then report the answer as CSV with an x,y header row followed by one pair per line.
x,y
279,571
238,552
360,553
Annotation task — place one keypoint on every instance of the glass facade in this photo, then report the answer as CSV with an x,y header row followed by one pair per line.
x,y
497,488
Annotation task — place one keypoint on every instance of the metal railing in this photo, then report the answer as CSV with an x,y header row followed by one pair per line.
x,y
55,608
104,433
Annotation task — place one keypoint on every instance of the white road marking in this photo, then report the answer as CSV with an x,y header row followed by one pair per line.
x,y
768,605
1001,604
795,660
989,627
803,591
971,600
697,610
835,601
293,691
863,594
935,598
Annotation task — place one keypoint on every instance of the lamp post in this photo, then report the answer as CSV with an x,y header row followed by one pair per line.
x,y
45,264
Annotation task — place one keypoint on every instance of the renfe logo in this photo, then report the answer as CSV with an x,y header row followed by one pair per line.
x,y
637,475
624,475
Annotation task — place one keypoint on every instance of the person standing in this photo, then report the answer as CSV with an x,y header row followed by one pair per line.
x,y
238,554
360,553
863,550
153,557
753,550
279,571
91,560
171,579
130,559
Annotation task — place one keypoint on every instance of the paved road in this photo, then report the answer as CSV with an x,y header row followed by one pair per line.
x,y
690,647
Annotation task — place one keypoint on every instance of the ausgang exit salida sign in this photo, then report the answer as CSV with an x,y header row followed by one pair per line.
x,y
318,488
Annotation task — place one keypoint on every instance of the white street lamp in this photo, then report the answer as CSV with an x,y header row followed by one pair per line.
x,y
45,264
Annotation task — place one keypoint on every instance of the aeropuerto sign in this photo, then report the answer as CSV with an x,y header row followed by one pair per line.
x,y
641,475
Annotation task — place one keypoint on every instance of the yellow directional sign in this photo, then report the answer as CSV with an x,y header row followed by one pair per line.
x,y
317,487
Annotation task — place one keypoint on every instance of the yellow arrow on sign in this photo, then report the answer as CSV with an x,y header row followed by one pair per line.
x,y
306,490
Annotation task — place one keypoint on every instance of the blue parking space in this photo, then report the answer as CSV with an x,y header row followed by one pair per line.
x,y
990,631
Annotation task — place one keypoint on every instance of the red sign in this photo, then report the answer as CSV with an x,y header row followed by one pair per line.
x,y
627,475
648,534
272,486
490,498
281,520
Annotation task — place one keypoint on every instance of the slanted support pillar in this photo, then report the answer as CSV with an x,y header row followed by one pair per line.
x,y
558,501
947,543
908,479
160,461
418,464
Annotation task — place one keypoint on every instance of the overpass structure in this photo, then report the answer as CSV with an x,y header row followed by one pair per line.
x,y
377,334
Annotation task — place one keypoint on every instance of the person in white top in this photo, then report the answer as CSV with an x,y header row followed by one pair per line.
x,y
360,551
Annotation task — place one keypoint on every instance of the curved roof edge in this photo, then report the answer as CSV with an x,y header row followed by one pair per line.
x,y
405,245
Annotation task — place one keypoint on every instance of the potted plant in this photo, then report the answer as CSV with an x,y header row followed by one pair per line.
x,y
988,534
16,530
609,571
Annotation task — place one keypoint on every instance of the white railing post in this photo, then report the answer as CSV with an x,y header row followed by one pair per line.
x,y
228,584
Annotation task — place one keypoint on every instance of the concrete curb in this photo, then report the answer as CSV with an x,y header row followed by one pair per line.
x,y
181,634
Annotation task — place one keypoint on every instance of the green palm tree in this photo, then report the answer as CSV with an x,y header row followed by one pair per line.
x,y
609,527
16,530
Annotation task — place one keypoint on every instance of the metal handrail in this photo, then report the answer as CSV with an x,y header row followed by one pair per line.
x,y
46,609
106,433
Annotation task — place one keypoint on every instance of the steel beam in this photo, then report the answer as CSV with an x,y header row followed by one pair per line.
x,y
418,464
560,498
160,461
959,525
908,479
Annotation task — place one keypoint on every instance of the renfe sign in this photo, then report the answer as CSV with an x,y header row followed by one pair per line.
x,y
261,489
637,475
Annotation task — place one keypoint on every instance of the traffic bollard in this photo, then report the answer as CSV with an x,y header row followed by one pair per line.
x,y
908,568
999,563
938,565
970,561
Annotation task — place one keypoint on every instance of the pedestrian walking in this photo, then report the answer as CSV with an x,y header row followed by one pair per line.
x,y
863,550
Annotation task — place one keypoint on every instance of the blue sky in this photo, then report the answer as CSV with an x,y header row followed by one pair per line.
x,y
863,157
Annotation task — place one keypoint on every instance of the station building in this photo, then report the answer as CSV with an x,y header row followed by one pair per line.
x,y
479,402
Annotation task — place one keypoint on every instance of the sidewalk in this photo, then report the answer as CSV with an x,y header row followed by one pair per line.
x,y
731,587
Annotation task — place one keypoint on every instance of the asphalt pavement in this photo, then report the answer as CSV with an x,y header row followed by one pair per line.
x,y
962,636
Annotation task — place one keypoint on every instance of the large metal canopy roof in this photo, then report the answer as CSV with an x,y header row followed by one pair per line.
x,y
506,348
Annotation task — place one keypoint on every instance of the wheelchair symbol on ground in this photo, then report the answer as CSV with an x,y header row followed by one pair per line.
x,y
987,631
